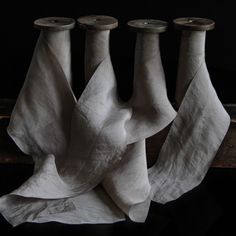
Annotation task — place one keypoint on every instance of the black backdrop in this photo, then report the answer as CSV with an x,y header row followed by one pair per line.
x,y
207,210
18,38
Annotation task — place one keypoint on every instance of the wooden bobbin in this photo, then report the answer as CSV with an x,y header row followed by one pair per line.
x,y
194,24
97,22
148,25
54,23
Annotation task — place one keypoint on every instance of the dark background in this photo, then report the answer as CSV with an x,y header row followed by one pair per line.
x,y
210,208
18,38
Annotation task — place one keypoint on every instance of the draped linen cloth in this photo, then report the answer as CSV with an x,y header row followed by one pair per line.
x,y
41,126
90,158
78,144
198,129
128,184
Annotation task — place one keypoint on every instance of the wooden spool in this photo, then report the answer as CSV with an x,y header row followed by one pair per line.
x,y
148,25
97,22
194,24
54,23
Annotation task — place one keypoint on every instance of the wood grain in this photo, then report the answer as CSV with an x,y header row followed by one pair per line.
x,y
97,22
148,25
194,24
54,23
225,158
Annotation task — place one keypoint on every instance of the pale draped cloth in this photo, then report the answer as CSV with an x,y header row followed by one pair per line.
x,y
90,157
198,129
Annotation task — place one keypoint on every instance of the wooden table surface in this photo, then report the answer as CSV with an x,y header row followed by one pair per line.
x,y
225,158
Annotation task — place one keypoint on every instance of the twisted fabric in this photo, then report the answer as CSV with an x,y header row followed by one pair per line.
x,y
90,157
43,124
198,129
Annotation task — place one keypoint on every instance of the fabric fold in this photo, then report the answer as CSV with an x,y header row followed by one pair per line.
x,y
128,184
95,144
196,132
90,208
101,127
44,106
90,154
151,108
42,124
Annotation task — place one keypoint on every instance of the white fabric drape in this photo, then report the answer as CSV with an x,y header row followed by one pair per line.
x,y
90,157
128,184
198,129
43,124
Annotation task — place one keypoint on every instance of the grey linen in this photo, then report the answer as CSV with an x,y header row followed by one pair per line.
x,y
198,129
90,158
41,125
